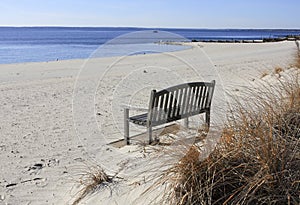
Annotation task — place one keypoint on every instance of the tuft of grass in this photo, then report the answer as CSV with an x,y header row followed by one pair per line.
x,y
264,74
278,70
257,160
92,180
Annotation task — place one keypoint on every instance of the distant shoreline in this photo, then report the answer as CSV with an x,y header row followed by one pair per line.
x,y
42,44
264,40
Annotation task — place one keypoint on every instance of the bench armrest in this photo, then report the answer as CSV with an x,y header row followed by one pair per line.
x,y
129,107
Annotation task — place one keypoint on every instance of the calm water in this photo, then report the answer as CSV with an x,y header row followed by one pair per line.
x,y
36,44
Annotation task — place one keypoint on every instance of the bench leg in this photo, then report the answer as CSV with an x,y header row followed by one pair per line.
x,y
126,126
149,130
207,118
186,122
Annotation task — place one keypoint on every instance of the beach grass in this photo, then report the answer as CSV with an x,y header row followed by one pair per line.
x,y
91,180
257,160
278,70
264,74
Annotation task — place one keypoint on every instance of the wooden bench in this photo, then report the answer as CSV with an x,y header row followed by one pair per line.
x,y
171,104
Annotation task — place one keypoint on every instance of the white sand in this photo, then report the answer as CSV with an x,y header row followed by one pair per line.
x,y
57,117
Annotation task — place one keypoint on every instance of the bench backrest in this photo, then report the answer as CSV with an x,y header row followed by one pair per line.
x,y
179,102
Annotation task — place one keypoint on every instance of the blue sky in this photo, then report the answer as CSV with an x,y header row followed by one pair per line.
x,y
152,13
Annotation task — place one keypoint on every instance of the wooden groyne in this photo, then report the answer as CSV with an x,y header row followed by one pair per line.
x,y
263,40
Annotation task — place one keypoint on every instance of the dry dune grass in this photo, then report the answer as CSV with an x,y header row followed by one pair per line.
x,y
174,129
257,160
297,64
92,180
264,74
278,70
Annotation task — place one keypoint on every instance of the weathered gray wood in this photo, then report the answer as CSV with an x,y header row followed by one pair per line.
x,y
175,108
154,109
184,99
174,103
161,107
207,118
188,98
126,126
150,109
191,108
186,122
203,98
149,130
170,104
179,103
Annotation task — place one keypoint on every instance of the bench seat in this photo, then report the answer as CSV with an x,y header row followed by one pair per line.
x,y
139,119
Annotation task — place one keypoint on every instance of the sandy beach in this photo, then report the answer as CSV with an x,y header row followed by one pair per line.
x,y
57,118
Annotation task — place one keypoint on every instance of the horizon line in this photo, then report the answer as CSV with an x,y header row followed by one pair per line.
x,y
143,27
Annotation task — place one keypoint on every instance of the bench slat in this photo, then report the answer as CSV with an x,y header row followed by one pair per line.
x,y
183,107
196,98
203,97
188,99
192,98
165,110
170,104
139,119
161,106
180,93
175,105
